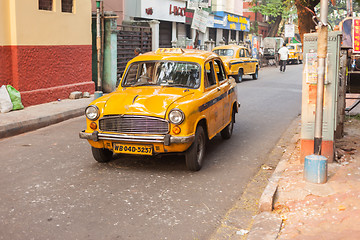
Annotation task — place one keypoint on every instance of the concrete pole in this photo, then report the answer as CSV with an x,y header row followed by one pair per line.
x,y
321,52
219,36
98,92
173,32
155,33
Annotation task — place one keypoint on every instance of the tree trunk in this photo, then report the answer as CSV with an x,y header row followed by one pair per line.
x,y
306,24
275,27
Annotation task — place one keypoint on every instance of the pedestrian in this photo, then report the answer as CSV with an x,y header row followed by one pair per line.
x,y
137,51
283,55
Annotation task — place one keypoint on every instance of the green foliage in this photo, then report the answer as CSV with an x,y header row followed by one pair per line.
x,y
275,8
338,12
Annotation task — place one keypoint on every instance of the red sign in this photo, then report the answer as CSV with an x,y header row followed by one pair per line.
x,y
177,11
356,35
149,11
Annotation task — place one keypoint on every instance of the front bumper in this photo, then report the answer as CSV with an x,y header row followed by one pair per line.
x,y
165,139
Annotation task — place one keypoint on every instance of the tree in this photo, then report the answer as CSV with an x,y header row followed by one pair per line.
x,y
276,10
306,11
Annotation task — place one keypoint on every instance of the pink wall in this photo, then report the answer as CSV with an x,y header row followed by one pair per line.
x,y
116,6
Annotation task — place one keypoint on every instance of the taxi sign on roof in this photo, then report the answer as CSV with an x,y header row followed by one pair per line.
x,y
170,50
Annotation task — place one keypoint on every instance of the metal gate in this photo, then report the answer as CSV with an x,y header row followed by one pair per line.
x,y
129,38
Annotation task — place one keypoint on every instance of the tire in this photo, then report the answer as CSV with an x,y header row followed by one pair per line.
x,y
194,156
102,155
227,131
239,77
256,74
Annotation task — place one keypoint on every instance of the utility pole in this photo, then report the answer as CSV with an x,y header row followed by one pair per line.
x,y
98,92
315,166
321,52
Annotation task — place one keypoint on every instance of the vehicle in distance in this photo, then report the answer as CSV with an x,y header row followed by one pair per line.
x,y
238,61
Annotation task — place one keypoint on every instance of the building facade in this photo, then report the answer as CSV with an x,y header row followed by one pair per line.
x,y
45,48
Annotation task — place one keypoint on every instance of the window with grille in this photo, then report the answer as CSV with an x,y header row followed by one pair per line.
x,y
45,5
67,6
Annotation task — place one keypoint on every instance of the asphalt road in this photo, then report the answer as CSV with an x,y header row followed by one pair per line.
x,y
51,188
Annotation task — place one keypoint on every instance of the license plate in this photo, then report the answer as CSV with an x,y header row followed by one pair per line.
x,y
132,149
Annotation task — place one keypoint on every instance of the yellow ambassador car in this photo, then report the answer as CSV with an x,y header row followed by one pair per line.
x,y
238,61
295,53
168,101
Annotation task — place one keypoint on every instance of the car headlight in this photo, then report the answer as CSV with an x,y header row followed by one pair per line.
x,y
176,116
92,112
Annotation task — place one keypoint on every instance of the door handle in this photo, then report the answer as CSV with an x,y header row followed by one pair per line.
x,y
218,89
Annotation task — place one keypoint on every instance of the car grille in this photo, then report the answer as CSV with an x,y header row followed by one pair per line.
x,y
133,124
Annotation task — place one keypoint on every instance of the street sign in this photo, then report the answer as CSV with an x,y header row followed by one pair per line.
x,y
289,30
200,20
356,35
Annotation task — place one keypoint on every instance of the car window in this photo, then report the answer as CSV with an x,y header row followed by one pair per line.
x,y
242,53
290,47
224,52
209,75
247,54
163,73
219,70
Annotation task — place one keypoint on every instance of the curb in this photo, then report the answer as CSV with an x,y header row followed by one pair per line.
x,y
34,124
267,224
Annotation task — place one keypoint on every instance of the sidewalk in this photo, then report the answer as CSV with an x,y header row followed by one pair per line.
x,y
42,115
303,210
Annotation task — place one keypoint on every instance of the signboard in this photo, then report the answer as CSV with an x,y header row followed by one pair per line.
x,y
168,10
200,20
356,35
230,21
289,30
195,4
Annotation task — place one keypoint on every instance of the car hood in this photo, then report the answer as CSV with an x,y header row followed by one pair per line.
x,y
143,101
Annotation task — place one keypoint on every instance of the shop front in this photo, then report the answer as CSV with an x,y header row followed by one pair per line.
x,y
169,13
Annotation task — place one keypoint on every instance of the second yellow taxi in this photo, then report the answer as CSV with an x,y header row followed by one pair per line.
x,y
238,61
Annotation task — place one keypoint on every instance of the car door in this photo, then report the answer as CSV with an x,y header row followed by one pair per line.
x,y
248,63
212,94
224,89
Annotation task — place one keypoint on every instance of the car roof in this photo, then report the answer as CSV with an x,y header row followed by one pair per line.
x,y
176,54
231,46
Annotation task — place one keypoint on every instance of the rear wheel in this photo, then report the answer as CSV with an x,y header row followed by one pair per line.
x,y
256,74
239,77
227,131
102,155
194,156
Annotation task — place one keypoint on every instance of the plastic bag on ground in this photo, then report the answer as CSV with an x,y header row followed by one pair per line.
x,y
5,101
15,97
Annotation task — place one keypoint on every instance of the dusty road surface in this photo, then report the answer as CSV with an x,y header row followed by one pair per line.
x,y
52,188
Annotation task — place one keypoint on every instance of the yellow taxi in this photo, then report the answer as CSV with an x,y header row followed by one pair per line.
x,y
295,53
238,61
169,101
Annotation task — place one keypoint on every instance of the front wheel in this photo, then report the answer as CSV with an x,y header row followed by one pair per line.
x,y
194,156
102,155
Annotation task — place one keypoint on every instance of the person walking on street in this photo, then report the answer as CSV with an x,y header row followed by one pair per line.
x,y
283,55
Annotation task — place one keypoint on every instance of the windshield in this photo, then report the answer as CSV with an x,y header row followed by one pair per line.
x,y
167,73
290,47
224,52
